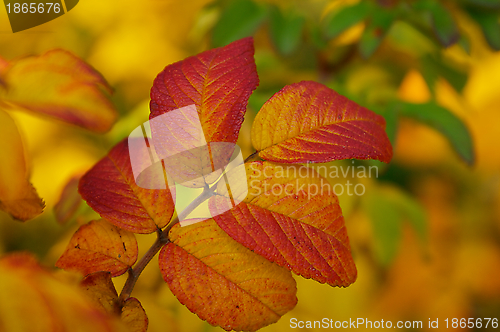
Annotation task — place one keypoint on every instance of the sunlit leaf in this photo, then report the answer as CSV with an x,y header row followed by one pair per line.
x,y
292,217
68,203
285,30
446,123
223,282
308,122
240,19
34,300
17,196
110,189
218,81
100,246
72,90
346,17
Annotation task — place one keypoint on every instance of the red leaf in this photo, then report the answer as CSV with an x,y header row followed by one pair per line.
x,y
218,81
309,122
110,189
283,220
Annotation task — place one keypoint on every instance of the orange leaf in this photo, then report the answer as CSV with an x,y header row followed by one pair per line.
x,y
292,217
17,195
309,122
134,316
223,282
34,300
100,246
110,189
218,81
71,91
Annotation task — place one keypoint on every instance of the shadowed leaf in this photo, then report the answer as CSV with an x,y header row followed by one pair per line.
x,y
72,91
100,288
223,282
17,196
100,246
308,122
292,217
134,316
69,202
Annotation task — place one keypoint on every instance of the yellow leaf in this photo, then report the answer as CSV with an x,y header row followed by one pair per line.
x,y
62,86
17,195
134,316
33,300
223,282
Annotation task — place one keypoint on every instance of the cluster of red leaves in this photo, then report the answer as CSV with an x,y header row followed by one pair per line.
x,y
234,270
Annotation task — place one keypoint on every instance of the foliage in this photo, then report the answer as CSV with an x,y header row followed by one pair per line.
x,y
424,236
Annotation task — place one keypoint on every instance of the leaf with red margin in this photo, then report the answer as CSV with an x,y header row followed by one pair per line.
x,y
292,217
61,85
110,189
223,282
100,246
218,81
309,122
33,299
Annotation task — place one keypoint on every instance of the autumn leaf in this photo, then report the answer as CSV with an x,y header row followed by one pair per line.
x,y
34,300
218,82
308,122
17,195
292,217
72,91
223,282
100,246
111,190
101,290
68,202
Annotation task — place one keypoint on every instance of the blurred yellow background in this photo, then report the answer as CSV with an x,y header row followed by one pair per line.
x,y
454,273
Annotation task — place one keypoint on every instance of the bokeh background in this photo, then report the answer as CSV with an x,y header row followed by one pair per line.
x,y
425,236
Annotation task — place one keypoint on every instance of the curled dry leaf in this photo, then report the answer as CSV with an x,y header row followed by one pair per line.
x,y
110,189
223,282
72,90
17,195
309,122
34,300
291,216
100,246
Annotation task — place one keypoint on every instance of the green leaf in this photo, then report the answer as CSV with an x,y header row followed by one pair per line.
x,y
346,17
240,19
443,24
386,226
388,207
446,123
433,68
375,31
286,30
486,4
489,23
